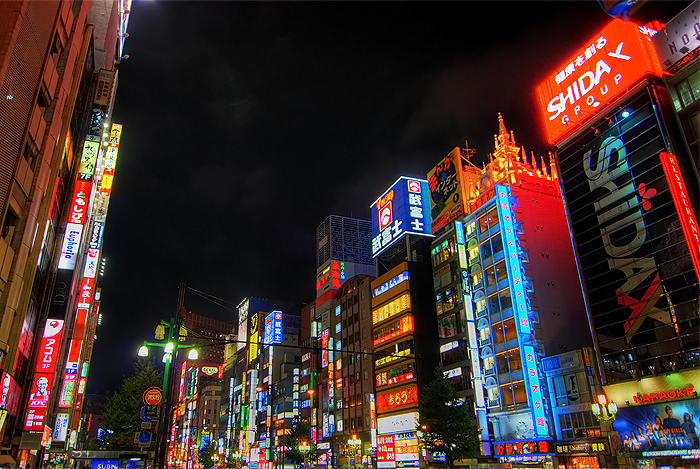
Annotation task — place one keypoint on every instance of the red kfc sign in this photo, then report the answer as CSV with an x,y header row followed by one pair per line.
x,y
38,402
607,65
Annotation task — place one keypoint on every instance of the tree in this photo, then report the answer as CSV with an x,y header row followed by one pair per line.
x,y
447,425
122,415
206,454
300,433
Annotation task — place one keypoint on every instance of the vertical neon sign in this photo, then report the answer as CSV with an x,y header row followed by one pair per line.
x,y
512,262
469,312
534,391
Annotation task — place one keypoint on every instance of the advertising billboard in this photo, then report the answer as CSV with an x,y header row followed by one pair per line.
x,y
658,427
403,209
601,70
273,329
50,341
397,398
634,261
38,402
445,183
70,246
110,160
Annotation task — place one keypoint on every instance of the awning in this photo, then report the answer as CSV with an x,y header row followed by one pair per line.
x,y
6,459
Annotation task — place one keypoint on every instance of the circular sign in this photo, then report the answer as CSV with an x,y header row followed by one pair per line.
x,y
152,396
144,437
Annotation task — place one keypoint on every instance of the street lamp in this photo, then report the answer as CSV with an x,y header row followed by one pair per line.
x,y
170,349
354,442
603,410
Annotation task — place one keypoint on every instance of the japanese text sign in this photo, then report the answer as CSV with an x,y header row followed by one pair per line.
x,y
48,353
444,181
534,389
520,448
609,64
397,398
403,209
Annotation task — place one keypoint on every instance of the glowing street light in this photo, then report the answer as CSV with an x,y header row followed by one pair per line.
x,y
604,410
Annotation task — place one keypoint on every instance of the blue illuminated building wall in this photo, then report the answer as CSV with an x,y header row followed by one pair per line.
x,y
515,245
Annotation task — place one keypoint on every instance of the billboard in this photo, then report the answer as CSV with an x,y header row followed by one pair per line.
x,y
273,329
48,351
658,427
110,160
70,246
38,402
397,398
445,181
403,209
635,266
601,70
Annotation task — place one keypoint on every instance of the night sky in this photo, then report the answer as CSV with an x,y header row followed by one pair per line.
x,y
247,123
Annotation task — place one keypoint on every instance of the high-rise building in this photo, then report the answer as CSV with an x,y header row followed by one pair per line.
x,y
506,286
404,326
628,163
58,68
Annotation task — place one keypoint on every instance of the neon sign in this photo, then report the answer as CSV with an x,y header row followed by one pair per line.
x,y
397,306
534,390
394,330
521,448
682,393
273,329
386,286
608,65
689,223
397,398
403,209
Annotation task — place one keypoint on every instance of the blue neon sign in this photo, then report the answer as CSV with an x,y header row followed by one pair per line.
x,y
273,329
534,390
403,209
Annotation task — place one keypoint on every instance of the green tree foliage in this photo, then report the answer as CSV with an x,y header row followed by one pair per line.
x,y
206,455
122,415
448,426
300,433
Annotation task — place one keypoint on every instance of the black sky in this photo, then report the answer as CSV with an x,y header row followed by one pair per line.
x,y
247,123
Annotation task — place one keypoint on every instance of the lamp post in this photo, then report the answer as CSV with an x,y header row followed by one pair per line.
x,y
304,448
354,443
605,411
170,351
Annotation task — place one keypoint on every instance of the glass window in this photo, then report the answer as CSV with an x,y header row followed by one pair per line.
x,y
483,224
506,300
494,306
492,216
480,306
514,359
471,228
474,254
488,363
478,279
502,363
497,243
519,393
501,271
486,249
490,276
484,333
509,328
498,332
507,393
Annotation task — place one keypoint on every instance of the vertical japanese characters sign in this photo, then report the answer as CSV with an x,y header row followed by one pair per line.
x,y
403,209
43,378
512,258
683,206
110,159
273,329
534,390
607,66
444,181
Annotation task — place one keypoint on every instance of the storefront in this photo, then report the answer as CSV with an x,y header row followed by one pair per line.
x,y
658,420
581,455
537,453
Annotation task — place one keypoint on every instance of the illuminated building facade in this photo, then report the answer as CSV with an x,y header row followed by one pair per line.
x,y
631,195
402,304
59,148
342,253
505,285
348,397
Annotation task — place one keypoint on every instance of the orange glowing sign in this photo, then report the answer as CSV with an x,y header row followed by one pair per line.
x,y
613,61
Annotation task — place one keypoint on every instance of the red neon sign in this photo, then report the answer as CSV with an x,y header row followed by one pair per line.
x,y
81,198
48,353
613,61
397,398
689,223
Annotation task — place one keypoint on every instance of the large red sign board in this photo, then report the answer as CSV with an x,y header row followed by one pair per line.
x,y
397,398
152,396
385,448
601,71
